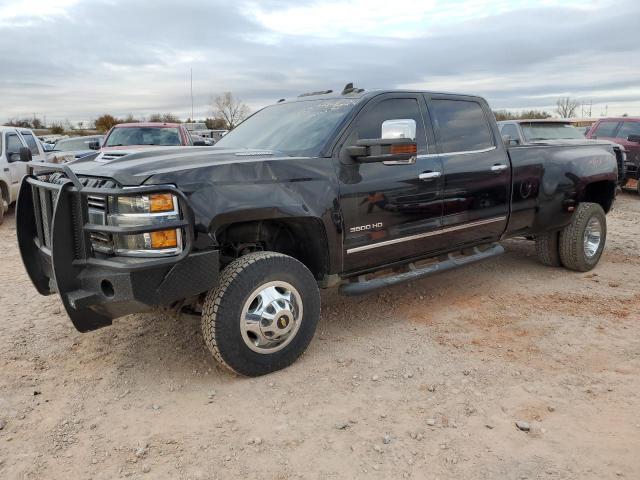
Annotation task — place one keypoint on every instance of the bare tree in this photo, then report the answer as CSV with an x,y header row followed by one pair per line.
x,y
567,107
230,109
525,114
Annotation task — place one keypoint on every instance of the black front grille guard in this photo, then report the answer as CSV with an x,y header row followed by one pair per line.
x,y
56,264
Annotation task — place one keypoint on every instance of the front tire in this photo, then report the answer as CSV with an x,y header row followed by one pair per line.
x,y
262,314
583,240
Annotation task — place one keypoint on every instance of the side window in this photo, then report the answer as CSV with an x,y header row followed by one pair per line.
x,y
369,123
628,128
31,143
605,129
13,143
510,130
460,126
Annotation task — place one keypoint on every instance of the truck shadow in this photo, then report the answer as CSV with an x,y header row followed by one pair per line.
x,y
171,347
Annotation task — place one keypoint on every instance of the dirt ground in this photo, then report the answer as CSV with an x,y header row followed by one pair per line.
x,y
425,380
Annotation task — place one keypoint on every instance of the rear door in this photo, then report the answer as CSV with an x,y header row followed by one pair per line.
x,y
391,211
477,170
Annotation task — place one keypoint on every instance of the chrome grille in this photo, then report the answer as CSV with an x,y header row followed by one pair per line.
x,y
45,200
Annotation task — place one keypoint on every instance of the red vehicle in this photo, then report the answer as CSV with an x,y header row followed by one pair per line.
x,y
626,132
124,138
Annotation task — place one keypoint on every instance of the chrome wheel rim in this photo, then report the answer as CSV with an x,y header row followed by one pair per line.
x,y
592,237
271,317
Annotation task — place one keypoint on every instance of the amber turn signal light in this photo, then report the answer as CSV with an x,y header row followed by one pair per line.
x,y
405,148
164,239
160,202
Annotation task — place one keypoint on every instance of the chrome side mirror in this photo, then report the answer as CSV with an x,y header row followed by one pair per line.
x,y
399,128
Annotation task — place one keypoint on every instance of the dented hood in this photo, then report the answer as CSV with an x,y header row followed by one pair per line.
x,y
136,168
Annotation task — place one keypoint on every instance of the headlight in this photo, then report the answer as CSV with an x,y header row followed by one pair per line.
x,y
140,211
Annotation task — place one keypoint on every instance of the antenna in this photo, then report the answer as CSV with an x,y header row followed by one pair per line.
x,y
349,88
192,94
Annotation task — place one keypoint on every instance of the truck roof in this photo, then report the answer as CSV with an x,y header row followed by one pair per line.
x,y
148,125
359,94
537,120
618,119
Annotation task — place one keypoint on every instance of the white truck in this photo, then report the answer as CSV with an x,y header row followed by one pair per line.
x,y
200,129
12,139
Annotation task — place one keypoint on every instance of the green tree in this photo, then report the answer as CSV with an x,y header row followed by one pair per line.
x,y
104,122
56,128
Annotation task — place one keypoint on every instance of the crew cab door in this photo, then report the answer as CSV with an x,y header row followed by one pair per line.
x,y
477,169
389,209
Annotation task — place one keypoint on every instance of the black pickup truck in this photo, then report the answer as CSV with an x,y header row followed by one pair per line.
x,y
356,190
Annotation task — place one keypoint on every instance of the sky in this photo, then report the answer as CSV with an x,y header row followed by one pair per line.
x,y
77,59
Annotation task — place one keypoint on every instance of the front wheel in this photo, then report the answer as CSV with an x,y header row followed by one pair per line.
x,y
583,240
262,314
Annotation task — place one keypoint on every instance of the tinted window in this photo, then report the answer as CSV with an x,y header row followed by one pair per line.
x,y
369,123
606,129
31,143
628,128
460,126
511,131
296,128
125,136
74,144
13,143
549,131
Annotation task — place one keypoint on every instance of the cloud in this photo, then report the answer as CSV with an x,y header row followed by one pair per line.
x,y
76,60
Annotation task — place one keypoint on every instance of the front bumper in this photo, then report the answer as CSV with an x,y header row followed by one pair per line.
x,y
54,237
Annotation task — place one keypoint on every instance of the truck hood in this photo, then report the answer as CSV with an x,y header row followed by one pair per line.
x,y
136,167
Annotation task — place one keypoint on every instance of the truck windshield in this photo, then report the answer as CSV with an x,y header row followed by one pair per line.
x,y
297,128
550,131
125,136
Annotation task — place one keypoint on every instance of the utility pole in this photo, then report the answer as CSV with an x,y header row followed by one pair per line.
x,y
192,94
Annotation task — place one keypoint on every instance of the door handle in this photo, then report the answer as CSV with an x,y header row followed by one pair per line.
x,y
499,168
429,175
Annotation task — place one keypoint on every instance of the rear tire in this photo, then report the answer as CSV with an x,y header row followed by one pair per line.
x,y
548,249
583,240
262,314
4,207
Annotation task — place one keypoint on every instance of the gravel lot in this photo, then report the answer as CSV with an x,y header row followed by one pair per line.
x,y
425,380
